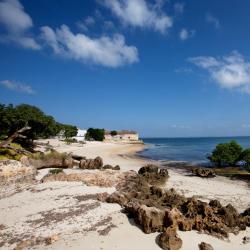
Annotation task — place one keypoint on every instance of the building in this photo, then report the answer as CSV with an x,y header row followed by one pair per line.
x,y
122,135
80,135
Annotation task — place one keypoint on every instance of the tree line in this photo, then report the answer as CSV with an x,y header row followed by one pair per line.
x,y
13,118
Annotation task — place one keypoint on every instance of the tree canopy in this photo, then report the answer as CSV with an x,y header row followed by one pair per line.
x,y
226,154
95,134
13,118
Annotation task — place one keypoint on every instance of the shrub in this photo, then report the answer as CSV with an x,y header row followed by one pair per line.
x,y
56,171
226,154
245,156
113,132
95,134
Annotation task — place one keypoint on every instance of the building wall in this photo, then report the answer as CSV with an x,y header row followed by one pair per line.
x,y
124,137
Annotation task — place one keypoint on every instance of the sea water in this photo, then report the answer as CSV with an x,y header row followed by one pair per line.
x,y
188,150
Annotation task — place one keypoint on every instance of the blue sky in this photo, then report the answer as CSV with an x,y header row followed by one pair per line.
x,y
164,68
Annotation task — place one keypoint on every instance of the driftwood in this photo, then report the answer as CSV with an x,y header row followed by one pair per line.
x,y
17,134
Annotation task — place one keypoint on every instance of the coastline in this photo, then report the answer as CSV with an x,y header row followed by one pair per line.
x,y
82,227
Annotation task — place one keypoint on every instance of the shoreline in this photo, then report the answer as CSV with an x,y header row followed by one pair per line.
x,y
74,202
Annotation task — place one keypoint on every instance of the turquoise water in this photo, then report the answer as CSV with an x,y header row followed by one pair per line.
x,y
191,150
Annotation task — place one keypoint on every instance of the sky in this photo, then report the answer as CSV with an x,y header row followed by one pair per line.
x,y
166,68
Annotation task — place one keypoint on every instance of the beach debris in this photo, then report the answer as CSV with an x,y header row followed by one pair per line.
x,y
204,172
169,239
246,240
37,241
205,246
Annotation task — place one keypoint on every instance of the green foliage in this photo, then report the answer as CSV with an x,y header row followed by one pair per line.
x,y
55,171
69,130
245,156
95,134
113,132
226,154
43,126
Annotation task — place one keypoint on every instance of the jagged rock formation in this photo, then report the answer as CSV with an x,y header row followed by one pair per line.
x,y
159,210
204,172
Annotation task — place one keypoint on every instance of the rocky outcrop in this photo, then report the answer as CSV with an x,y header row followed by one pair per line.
x,y
50,160
158,210
205,246
169,240
204,172
14,176
153,175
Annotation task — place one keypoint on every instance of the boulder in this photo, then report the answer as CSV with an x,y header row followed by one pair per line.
x,y
150,219
96,163
117,167
205,246
203,172
169,240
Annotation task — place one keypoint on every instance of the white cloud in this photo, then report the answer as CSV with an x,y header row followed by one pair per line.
x,y
17,24
106,51
213,20
231,71
186,34
139,13
179,8
17,86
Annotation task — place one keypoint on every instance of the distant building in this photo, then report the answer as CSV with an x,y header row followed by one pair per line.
x,y
80,135
122,135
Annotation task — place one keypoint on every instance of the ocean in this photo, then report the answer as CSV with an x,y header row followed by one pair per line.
x,y
187,150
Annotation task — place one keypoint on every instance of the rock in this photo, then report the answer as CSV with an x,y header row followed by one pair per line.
x,y
169,240
96,163
150,168
111,167
246,240
203,172
205,246
67,162
153,175
150,219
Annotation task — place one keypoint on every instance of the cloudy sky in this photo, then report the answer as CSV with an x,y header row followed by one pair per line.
x,y
162,67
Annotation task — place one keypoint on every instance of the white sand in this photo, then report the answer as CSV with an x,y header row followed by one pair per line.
x,y
61,197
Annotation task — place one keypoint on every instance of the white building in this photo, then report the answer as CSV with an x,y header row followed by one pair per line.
x,y
80,135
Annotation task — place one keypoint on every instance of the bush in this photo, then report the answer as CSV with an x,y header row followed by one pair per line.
x,y
113,132
70,140
226,154
56,171
245,156
95,134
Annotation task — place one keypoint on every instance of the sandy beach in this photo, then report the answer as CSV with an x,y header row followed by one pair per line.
x,y
70,211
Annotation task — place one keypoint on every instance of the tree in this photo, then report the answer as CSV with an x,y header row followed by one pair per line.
x,y
113,132
245,156
226,154
69,131
42,126
95,134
